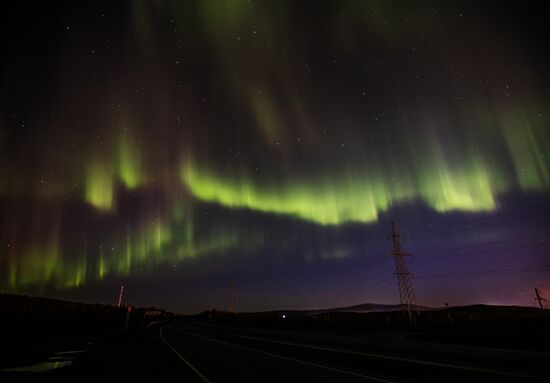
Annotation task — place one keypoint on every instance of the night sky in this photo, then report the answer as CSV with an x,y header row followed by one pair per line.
x,y
183,147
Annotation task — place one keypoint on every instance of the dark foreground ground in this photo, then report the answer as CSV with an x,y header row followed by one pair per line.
x,y
218,347
192,351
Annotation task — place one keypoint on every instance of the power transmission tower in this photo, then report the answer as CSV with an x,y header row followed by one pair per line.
x,y
232,298
120,302
404,277
539,298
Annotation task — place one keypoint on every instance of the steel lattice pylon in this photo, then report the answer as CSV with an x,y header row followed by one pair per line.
x,y
404,277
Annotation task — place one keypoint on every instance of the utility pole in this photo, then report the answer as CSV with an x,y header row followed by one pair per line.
x,y
232,297
404,282
120,302
540,299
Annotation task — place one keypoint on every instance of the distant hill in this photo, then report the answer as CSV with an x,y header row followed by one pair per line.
x,y
371,308
360,309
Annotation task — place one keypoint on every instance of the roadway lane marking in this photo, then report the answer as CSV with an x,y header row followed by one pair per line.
x,y
182,358
311,364
397,358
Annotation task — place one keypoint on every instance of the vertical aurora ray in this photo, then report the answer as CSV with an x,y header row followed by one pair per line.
x,y
128,163
469,189
137,249
528,139
105,176
99,185
466,184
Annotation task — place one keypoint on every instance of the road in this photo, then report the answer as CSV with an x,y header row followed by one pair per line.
x,y
201,352
219,353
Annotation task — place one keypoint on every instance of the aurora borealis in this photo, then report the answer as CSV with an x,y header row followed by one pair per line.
x,y
180,146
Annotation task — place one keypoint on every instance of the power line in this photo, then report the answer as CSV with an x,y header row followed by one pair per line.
x,y
436,231
367,288
361,290
488,272
378,285
325,289
483,244
339,293
490,251
355,269
335,282
488,224
493,216
350,270
338,276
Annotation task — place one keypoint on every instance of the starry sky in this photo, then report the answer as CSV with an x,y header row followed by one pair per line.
x,y
186,148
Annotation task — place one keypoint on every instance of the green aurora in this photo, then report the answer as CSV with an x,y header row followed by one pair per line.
x,y
239,115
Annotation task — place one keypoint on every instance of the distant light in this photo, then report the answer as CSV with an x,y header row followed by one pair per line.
x,y
284,316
